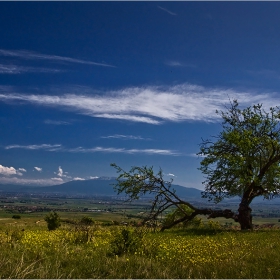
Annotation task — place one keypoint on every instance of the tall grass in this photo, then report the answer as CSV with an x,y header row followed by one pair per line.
x,y
77,253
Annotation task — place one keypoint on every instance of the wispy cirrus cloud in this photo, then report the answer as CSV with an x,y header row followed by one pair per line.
x,y
46,147
169,12
94,150
150,104
175,63
58,180
15,69
129,137
27,55
125,151
56,122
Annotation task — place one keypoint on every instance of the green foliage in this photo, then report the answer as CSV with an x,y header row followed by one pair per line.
x,y
179,213
16,216
244,158
126,241
88,221
141,181
53,220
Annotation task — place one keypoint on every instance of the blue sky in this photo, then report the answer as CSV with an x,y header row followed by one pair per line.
x,y
83,85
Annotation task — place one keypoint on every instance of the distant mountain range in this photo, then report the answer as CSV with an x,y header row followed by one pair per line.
x,y
98,187
103,186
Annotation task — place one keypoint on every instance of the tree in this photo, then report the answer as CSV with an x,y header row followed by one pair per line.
x,y
53,220
244,158
242,161
87,221
142,181
16,217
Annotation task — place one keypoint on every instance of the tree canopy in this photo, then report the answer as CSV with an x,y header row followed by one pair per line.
x,y
244,156
242,160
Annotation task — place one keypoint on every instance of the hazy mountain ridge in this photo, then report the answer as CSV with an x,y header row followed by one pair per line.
x,y
103,186
98,186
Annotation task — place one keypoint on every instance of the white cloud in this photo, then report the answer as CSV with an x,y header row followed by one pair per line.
x,y
39,169
56,122
78,179
95,150
127,118
57,179
46,147
174,63
169,12
31,182
153,105
22,170
123,150
170,174
15,69
119,136
60,172
7,171
93,177
37,56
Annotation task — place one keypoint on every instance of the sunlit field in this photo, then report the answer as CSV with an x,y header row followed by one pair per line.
x,y
98,251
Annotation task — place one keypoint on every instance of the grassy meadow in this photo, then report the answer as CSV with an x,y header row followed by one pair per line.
x,y
78,251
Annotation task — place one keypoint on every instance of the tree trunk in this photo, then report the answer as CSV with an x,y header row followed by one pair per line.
x,y
244,216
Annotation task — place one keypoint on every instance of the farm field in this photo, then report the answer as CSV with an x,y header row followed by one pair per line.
x,y
33,209
126,252
108,249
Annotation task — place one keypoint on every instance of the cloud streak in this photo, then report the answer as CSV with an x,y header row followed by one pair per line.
x,y
174,63
130,137
169,12
46,147
152,105
78,179
123,150
15,69
93,150
39,169
56,122
31,182
27,55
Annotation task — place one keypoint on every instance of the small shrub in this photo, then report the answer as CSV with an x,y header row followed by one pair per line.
x,y
126,241
53,221
16,217
87,221
213,226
